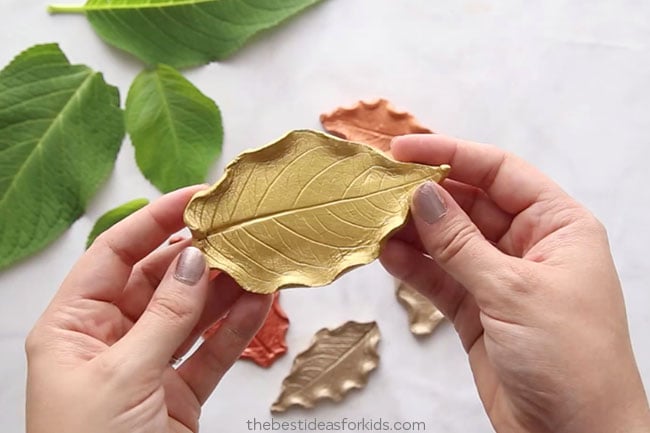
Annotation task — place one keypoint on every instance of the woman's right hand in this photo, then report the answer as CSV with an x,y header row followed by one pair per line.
x,y
525,274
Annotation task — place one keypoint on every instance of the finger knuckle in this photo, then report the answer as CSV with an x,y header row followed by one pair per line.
x,y
214,361
235,334
595,226
459,238
516,279
406,271
219,360
510,288
585,224
171,307
105,368
148,272
571,212
431,285
32,343
106,241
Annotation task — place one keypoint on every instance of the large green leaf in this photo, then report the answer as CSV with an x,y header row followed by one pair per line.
x,y
60,130
114,216
183,33
176,130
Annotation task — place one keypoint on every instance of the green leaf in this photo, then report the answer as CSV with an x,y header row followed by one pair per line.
x,y
183,33
60,130
114,216
176,130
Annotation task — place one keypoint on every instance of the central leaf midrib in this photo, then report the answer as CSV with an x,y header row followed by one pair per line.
x,y
260,218
168,112
336,363
372,131
109,7
48,131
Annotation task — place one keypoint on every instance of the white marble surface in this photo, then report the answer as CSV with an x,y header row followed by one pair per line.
x,y
565,84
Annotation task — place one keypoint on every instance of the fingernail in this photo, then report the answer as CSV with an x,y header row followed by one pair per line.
x,y
190,266
176,239
427,203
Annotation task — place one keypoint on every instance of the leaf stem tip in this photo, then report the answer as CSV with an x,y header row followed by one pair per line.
x,y
66,9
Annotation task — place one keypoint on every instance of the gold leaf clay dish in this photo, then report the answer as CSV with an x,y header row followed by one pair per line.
x,y
337,361
302,210
423,316
376,123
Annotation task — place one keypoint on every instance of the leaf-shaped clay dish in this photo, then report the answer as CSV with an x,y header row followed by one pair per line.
x,y
337,361
423,316
371,122
302,210
376,123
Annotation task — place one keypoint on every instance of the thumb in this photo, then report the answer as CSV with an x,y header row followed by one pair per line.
x,y
453,241
172,313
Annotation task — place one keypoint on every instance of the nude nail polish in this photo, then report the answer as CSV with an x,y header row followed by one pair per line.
x,y
427,203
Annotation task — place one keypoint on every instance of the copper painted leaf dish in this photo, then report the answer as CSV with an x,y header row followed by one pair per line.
x,y
371,122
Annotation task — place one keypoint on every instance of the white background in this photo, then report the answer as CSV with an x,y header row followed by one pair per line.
x,y
564,84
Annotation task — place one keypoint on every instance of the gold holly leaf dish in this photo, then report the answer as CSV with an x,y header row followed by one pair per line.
x,y
302,210
423,316
337,361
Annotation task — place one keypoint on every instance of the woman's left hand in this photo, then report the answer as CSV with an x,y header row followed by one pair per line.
x,y
99,358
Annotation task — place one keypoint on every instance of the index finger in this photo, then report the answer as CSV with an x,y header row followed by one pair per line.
x,y
509,181
102,272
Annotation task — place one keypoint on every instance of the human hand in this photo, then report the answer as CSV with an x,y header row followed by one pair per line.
x,y
99,357
525,274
